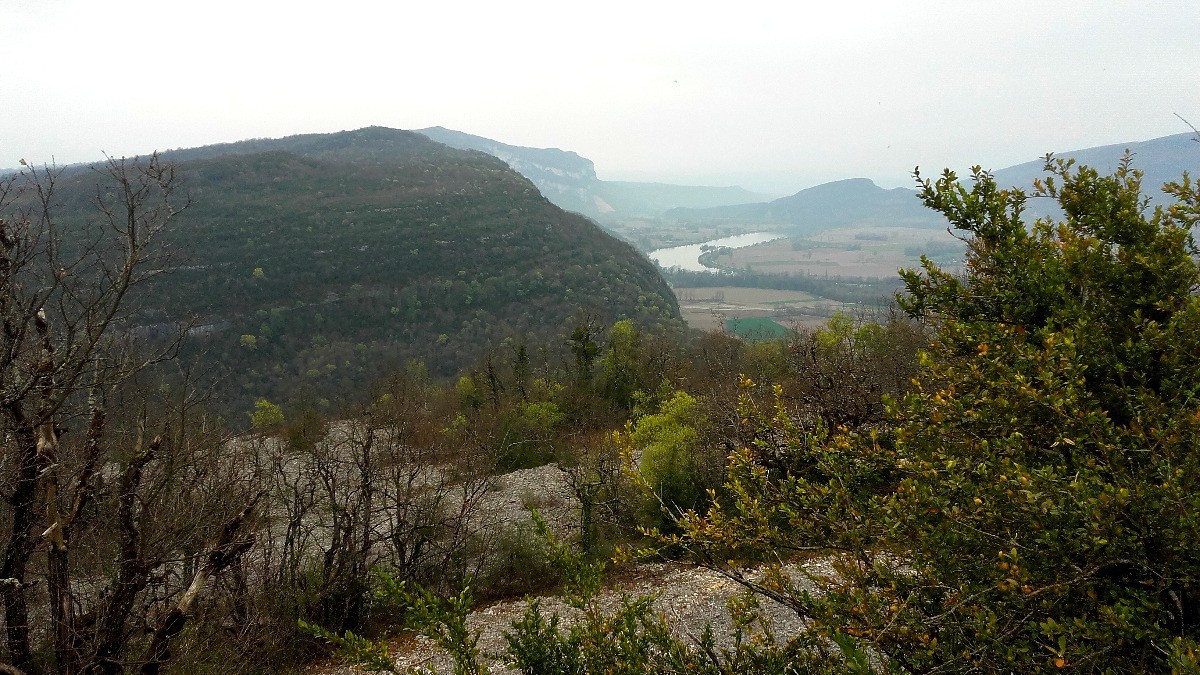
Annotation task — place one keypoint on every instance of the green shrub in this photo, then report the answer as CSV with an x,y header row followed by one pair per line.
x,y
1034,504
516,564
674,466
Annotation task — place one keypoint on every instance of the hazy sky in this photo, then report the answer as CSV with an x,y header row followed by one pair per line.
x,y
774,96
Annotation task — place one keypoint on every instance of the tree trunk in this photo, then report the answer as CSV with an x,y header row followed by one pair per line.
x,y
131,574
18,548
222,554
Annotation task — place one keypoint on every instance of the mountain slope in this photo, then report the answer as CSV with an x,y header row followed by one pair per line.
x,y
570,181
324,259
563,177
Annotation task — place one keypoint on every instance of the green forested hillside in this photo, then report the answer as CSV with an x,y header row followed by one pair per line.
x,y
310,263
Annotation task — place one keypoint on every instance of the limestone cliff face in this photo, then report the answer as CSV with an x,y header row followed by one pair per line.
x,y
565,178
570,182
573,169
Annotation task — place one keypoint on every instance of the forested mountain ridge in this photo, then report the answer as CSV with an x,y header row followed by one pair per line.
x,y
570,181
314,262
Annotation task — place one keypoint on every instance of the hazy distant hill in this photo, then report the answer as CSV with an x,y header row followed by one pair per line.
x,y
652,199
843,203
858,201
570,181
1162,160
323,259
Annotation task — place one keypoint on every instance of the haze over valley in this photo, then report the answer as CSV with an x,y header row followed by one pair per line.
x,y
840,243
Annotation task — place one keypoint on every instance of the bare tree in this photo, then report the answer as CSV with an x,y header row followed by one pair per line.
x,y
94,478
379,492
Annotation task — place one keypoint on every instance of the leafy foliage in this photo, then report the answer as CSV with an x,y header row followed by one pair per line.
x,y
1033,504
673,466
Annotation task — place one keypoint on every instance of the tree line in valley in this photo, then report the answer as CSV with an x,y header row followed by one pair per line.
x,y
872,293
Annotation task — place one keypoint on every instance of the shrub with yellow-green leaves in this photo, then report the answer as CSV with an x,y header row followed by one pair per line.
x,y
1035,503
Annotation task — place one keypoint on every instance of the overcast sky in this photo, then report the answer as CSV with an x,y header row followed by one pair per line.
x,y
775,96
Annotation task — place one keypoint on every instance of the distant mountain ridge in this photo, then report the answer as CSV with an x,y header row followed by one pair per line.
x,y
570,181
859,202
1161,160
844,203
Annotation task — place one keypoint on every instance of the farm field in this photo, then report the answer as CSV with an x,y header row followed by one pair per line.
x,y
871,252
851,252
712,308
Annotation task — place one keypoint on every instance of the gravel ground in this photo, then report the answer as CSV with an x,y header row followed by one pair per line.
x,y
544,488
688,597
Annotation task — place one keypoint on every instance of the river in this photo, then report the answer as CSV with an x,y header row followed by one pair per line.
x,y
688,257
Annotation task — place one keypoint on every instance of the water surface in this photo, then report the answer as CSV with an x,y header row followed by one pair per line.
x,y
688,257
